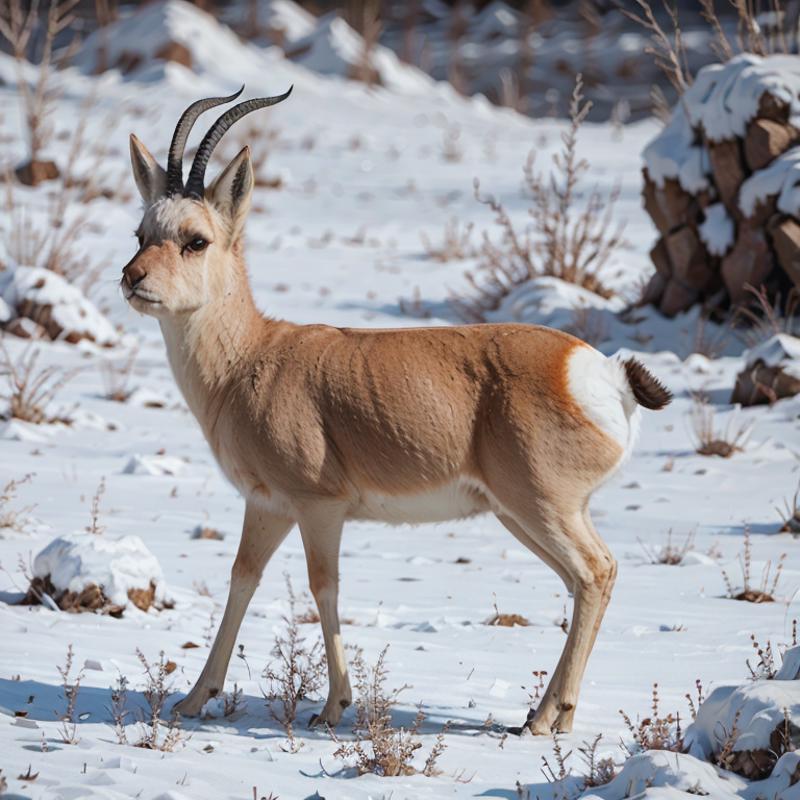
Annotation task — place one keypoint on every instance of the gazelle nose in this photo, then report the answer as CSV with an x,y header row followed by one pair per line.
x,y
134,273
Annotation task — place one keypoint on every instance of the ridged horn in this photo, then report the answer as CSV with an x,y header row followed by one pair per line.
x,y
195,183
181,135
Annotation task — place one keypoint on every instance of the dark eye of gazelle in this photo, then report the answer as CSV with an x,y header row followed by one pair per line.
x,y
196,245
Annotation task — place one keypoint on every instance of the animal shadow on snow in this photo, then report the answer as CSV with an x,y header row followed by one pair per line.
x,y
43,702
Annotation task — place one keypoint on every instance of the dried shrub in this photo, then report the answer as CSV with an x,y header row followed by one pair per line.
x,y
155,733
712,442
94,526
761,319
70,687
30,390
91,598
297,671
456,243
506,620
764,591
206,532
596,771
670,553
379,748
19,24
119,709
656,731
790,517
14,519
116,375
565,238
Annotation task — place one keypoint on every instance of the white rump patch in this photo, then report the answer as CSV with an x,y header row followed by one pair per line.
x,y
600,386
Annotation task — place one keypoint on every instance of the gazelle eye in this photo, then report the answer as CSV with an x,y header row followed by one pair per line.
x,y
196,245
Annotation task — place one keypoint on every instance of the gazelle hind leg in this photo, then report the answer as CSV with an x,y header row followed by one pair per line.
x,y
262,533
575,552
321,530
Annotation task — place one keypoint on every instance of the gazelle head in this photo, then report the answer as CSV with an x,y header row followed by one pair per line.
x,y
188,232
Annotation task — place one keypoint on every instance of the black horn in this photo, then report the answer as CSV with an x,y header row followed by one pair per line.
x,y
195,183
181,135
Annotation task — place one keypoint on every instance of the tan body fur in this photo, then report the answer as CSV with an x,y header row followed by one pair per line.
x,y
318,425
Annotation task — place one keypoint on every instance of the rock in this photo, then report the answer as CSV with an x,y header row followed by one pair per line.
x,y
32,173
727,169
771,107
659,255
762,384
674,203
677,297
786,241
749,263
652,205
654,290
766,139
691,263
174,51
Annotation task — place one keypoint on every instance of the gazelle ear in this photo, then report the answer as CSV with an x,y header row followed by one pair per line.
x,y
150,176
232,189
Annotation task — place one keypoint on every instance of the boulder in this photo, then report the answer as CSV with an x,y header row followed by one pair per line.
x,y
749,262
765,140
727,169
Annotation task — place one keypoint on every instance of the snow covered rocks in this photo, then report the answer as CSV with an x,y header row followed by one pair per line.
x,y
92,572
39,303
720,185
771,372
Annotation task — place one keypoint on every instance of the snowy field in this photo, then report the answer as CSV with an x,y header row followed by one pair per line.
x,y
363,175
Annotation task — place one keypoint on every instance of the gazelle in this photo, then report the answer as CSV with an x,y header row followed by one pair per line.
x,y
316,425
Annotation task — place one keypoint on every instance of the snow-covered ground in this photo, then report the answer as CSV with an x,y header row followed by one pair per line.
x,y
363,175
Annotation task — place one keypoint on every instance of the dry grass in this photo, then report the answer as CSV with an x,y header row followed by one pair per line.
x,y
456,243
506,620
32,39
31,390
670,553
14,519
116,375
764,590
566,237
656,731
296,673
379,748
790,516
596,771
762,319
154,732
70,687
94,526
710,441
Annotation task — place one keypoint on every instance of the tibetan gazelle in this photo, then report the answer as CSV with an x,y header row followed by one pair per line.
x,y
317,425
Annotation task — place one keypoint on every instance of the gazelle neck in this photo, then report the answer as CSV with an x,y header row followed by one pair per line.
x,y
212,347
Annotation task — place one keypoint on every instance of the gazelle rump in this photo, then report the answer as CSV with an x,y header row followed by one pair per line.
x,y
318,425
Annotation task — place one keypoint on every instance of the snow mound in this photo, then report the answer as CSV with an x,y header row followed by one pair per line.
x,y
749,722
56,306
334,48
552,302
720,102
663,775
169,30
284,21
121,568
154,465
781,350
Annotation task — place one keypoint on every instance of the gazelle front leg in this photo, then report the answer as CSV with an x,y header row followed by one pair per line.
x,y
262,533
321,529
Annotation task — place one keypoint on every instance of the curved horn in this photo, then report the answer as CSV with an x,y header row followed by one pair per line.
x,y
179,138
195,183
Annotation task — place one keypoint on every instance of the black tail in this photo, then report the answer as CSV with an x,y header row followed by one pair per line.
x,y
647,389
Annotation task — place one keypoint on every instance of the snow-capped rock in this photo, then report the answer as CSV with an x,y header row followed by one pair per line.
x,y
55,305
118,567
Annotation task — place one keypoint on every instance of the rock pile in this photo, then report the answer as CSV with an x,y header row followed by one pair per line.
x,y
721,185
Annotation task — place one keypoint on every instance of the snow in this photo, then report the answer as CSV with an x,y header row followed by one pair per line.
x,y
425,590
334,48
717,230
73,312
780,350
779,179
75,561
749,713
